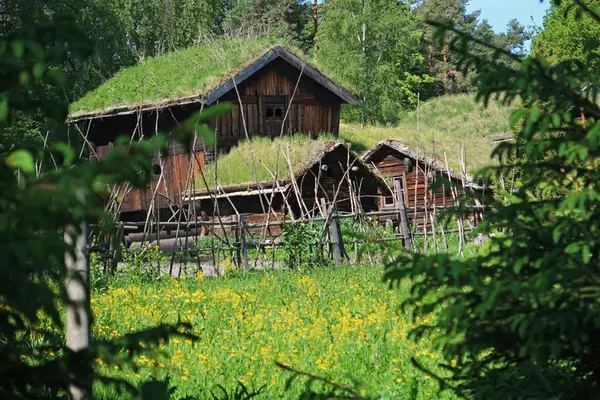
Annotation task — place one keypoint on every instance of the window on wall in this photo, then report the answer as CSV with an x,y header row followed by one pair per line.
x,y
388,200
274,113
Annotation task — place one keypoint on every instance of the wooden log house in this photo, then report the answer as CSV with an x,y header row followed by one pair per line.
x,y
336,177
275,94
413,175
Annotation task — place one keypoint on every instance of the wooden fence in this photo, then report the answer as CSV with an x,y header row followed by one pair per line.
x,y
210,252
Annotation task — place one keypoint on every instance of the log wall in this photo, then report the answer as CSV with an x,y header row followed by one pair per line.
x,y
265,98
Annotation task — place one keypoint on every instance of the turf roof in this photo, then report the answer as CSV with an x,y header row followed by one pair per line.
x,y
235,167
173,76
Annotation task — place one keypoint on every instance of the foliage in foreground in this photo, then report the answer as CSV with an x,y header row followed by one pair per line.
x,y
42,213
521,317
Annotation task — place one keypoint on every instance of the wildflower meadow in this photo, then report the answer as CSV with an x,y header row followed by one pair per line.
x,y
341,324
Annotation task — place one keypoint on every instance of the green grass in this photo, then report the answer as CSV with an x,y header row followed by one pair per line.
x,y
341,323
183,73
449,122
237,165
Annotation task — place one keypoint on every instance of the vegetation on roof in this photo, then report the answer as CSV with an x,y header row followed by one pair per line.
x,y
236,166
448,122
184,73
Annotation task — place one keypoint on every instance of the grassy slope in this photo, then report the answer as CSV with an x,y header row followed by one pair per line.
x,y
337,322
450,121
236,166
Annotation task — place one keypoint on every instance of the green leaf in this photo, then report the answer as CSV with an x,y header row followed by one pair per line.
x,y
3,107
214,111
67,153
21,159
58,77
586,254
556,121
207,135
38,70
516,116
18,48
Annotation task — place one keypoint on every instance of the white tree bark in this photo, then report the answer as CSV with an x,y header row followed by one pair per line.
x,y
78,304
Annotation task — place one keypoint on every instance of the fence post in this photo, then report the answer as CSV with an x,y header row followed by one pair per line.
x,y
324,209
78,304
336,238
402,219
242,228
237,241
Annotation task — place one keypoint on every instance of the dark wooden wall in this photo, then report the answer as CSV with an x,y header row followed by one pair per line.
x,y
176,180
317,183
417,186
265,97
416,183
314,110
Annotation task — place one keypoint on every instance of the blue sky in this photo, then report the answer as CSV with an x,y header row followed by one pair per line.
x,y
499,12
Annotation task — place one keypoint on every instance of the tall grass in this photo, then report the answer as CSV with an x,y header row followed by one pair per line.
x,y
193,71
441,125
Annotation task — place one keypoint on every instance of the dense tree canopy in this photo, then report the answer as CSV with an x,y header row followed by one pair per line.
x,y
568,34
374,45
519,317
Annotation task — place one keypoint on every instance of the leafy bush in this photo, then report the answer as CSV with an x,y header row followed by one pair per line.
x,y
300,244
145,262
43,215
519,319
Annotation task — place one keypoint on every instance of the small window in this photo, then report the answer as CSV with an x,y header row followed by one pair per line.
x,y
278,113
156,170
388,200
269,113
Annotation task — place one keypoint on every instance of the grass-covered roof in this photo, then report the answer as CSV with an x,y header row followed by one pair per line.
x,y
191,73
237,166
442,125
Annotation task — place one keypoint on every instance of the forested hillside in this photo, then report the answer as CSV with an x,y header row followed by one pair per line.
x,y
381,48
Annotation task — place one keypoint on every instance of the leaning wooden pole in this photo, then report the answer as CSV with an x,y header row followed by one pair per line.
x,y
402,220
78,319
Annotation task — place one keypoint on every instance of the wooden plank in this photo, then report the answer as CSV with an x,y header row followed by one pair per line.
x,y
235,116
261,114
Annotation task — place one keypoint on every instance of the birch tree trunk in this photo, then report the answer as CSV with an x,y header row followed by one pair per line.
x,y
78,307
